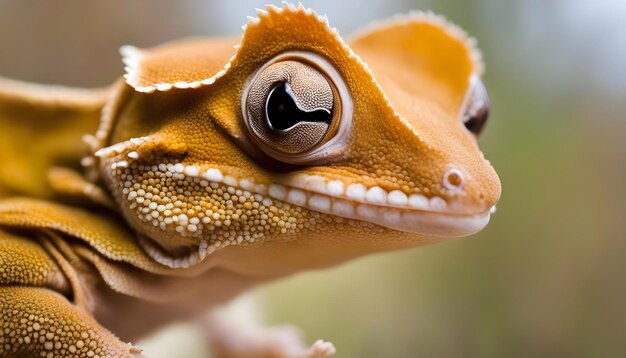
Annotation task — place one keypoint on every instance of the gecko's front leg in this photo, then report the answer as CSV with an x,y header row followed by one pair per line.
x,y
36,317
39,322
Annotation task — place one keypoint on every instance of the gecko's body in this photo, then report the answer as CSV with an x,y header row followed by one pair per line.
x,y
211,169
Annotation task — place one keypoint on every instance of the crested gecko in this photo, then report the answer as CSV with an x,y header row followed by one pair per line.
x,y
219,164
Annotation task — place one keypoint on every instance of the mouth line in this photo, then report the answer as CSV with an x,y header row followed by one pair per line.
x,y
396,210
436,223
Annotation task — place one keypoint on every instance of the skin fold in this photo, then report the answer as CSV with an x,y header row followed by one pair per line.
x,y
126,208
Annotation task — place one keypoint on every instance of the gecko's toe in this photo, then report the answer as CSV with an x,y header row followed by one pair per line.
x,y
322,349
136,351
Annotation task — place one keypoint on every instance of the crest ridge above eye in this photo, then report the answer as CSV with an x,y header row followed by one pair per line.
x,y
184,64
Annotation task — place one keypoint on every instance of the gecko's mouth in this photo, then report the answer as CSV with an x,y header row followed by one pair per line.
x,y
429,223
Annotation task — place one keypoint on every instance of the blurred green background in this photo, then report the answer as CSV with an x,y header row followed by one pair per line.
x,y
547,278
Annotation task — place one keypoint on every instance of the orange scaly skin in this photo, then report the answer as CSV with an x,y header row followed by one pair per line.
x,y
180,203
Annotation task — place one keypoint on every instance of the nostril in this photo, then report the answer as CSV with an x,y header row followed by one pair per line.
x,y
453,180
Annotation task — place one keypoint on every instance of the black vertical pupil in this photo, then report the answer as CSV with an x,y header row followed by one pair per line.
x,y
283,112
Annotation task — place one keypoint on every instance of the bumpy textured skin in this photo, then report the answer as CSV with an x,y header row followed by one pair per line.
x,y
175,209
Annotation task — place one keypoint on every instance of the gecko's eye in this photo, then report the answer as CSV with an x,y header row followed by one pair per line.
x,y
476,108
294,108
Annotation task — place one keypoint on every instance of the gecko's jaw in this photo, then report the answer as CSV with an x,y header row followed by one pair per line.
x,y
396,210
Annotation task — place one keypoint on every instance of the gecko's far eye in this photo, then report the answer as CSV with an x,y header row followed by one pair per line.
x,y
476,108
293,107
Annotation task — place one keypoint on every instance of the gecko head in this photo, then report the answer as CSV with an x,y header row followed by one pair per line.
x,y
298,149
